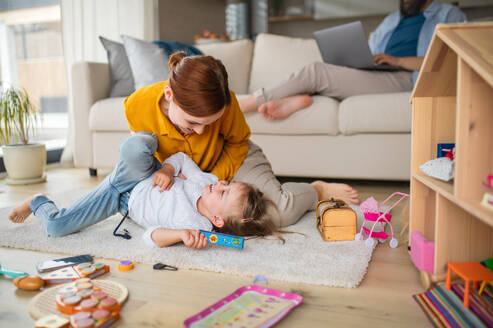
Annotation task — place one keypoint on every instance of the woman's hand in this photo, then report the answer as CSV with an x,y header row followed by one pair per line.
x,y
193,238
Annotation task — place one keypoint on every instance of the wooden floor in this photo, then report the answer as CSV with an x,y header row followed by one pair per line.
x,y
165,299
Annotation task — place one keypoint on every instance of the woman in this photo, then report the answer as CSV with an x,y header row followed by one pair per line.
x,y
195,113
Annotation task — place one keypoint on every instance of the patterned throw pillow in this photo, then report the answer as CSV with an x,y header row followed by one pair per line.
x,y
441,168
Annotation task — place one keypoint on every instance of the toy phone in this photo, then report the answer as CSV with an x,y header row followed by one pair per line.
x,y
51,265
223,239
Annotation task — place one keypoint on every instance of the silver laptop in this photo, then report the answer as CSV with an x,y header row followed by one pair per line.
x,y
346,45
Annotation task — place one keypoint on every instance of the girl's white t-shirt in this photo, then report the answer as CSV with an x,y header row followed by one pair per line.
x,y
175,208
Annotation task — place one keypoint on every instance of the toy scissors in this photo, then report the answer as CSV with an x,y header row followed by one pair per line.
x,y
162,266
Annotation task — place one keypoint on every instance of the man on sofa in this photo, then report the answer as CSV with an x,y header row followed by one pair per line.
x,y
401,40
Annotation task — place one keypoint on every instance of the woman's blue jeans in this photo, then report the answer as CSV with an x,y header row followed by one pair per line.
x,y
137,162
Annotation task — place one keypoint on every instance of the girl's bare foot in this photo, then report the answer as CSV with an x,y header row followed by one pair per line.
x,y
22,211
342,191
282,108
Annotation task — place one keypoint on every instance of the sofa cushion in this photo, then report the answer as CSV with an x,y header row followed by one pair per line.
x,y
122,80
108,115
148,61
276,57
318,119
376,113
236,56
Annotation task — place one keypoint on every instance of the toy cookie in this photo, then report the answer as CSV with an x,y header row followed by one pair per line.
x,y
29,282
96,319
52,321
83,296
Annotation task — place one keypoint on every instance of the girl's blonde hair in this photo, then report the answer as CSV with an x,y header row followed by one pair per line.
x,y
257,219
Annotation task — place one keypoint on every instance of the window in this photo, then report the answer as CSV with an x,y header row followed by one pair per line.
x,y
32,57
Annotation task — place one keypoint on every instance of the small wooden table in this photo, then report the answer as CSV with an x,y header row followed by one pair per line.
x,y
473,272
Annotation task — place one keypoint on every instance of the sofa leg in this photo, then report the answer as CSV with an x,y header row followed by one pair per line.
x,y
93,172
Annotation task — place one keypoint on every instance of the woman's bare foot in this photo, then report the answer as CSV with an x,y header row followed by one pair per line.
x,y
22,211
342,191
282,108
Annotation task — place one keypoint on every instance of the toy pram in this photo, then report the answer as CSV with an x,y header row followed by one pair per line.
x,y
372,212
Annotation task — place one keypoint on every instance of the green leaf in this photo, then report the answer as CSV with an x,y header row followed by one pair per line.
x,y
18,116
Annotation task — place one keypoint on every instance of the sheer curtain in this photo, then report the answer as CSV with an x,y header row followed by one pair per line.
x,y
31,57
84,20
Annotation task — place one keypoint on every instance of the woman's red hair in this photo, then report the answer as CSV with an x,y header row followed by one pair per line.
x,y
199,84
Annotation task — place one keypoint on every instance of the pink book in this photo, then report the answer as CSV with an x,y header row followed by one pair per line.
x,y
248,306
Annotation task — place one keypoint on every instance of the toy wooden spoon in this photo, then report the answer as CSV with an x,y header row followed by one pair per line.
x,y
29,282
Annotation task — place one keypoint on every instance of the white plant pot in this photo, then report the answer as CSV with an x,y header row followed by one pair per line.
x,y
25,164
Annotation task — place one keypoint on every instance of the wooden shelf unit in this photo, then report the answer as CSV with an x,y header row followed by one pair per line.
x,y
453,102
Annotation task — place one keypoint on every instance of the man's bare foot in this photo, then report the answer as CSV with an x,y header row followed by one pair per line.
x,y
282,108
22,211
342,191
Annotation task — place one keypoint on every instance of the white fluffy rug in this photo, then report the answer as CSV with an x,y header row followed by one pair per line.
x,y
306,259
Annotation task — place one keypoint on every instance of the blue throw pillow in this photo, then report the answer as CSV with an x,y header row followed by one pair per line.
x,y
173,46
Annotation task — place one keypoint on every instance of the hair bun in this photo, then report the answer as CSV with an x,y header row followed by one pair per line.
x,y
176,58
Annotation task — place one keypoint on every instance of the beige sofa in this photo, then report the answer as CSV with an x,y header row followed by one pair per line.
x,y
361,137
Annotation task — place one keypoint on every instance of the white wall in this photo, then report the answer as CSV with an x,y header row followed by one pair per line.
x,y
83,21
181,20
325,9
351,8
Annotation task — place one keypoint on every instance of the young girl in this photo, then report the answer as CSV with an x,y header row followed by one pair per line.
x,y
197,201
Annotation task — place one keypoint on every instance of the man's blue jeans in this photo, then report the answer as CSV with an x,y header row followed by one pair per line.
x,y
137,162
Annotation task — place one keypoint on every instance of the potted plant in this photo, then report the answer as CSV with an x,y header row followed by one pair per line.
x,y
24,162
